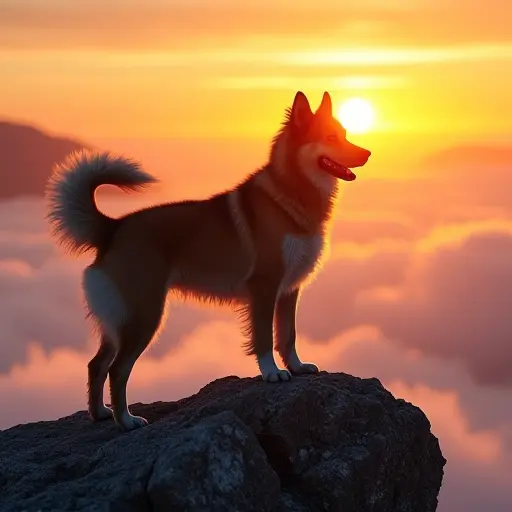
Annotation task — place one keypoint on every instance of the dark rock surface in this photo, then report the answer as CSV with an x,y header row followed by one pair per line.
x,y
322,442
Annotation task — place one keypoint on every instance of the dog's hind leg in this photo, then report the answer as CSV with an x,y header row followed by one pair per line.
x,y
97,375
128,302
134,338
133,345
286,311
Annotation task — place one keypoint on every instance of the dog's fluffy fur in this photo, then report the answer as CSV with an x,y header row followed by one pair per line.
x,y
254,246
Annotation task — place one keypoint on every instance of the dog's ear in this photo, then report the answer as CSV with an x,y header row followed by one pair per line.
x,y
301,114
325,108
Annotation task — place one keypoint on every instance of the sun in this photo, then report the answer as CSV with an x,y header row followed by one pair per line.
x,y
356,115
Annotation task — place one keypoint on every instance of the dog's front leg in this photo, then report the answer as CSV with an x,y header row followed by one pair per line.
x,y
261,320
286,311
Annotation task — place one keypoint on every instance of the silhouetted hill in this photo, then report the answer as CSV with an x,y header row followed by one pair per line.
x,y
27,156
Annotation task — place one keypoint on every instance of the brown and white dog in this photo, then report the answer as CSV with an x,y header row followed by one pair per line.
x,y
254,246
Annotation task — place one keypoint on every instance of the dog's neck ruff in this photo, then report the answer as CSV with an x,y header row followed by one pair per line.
x,y
298,214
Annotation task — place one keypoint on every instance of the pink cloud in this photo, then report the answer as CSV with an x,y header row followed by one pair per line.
x,y
52,384
406,297
455,300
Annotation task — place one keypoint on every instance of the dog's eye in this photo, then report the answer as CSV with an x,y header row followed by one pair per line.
x,y
332,138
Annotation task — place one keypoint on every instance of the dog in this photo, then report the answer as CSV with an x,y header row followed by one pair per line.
x,y
254,246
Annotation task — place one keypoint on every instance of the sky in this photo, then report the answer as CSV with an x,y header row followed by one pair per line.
x,y
418,285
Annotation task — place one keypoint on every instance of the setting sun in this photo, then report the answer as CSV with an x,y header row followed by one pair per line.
x,y
356,115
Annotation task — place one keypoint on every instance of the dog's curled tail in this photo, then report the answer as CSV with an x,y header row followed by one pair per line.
x,y
73,215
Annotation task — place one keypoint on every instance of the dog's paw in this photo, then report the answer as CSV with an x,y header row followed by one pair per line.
x,y
101,414
304,369
277,376
129,422
270,371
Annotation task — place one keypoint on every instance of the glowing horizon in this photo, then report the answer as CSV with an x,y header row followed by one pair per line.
x,y
184,67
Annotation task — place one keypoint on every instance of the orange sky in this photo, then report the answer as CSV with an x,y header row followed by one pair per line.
x,y
181,68
154,79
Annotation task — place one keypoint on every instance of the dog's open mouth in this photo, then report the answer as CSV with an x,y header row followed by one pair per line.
x,y
335,169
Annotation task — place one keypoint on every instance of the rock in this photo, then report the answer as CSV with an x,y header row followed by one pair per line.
x,y
211,465
320,442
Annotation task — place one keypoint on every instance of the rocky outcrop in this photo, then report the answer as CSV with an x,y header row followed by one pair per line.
x,y
322,442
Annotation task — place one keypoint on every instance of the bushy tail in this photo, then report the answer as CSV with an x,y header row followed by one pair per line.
x,y
74,217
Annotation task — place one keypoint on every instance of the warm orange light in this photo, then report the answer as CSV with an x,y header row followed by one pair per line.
x,y
356,115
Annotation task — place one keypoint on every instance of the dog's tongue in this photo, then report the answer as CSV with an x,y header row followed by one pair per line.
x,y
348,175
337,170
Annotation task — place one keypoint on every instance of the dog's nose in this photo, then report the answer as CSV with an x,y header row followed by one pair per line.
x,y
366,155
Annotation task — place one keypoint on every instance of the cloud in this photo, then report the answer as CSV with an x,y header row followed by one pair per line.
x,y
39,304
52,384
159,24
399,56
455,301
444,411
463,184
41,298
477,460
328,305
46,342
445,294
472,422
33,249
44,305
373,227
325,57
416,300
319,83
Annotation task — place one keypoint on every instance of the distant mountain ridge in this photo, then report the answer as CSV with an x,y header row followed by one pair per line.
x,y
27,157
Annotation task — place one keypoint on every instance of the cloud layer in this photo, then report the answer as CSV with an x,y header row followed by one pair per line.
x,y
418,298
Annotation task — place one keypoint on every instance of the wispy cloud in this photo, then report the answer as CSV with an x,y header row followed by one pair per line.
x,y
391,56
397,56
310,83
250,56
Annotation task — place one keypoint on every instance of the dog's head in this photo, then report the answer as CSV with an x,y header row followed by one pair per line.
x,y
316,144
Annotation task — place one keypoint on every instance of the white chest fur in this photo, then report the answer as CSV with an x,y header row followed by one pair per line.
x,y
300,257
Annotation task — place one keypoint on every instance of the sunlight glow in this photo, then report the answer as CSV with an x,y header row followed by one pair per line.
x,y
356,115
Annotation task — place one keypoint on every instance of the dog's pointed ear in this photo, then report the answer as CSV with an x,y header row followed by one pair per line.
x,y
325,108
301,113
